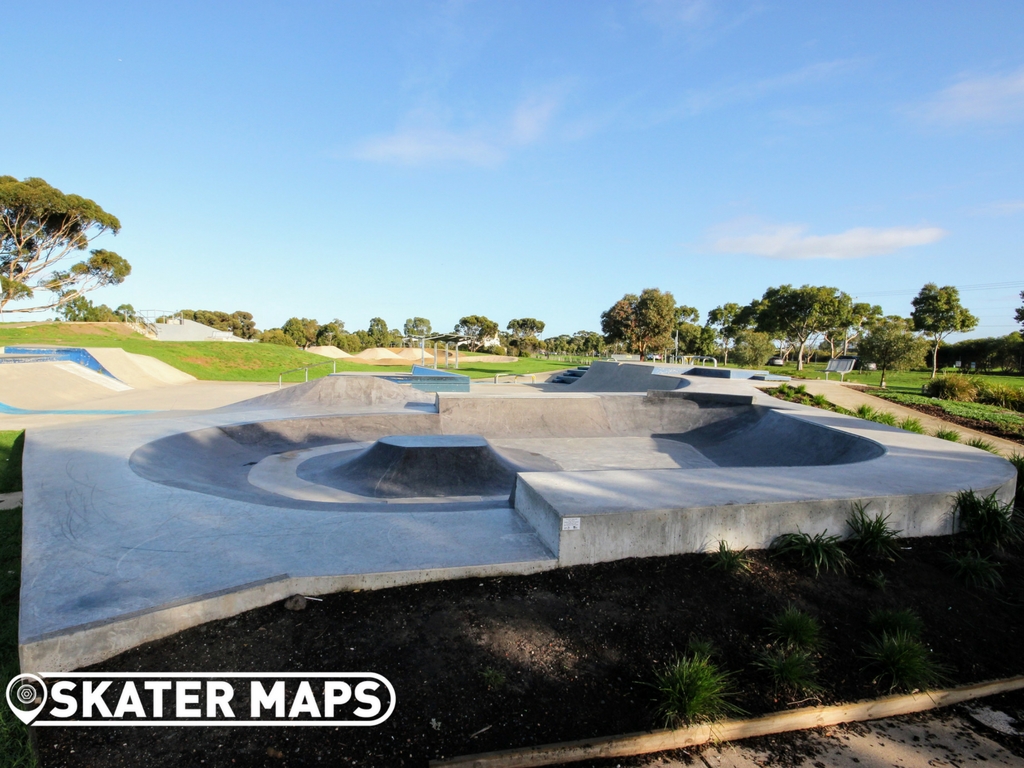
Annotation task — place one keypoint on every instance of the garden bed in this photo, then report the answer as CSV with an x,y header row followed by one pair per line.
x,y
993,421
484,664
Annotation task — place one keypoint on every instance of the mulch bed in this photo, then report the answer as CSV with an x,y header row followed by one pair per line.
x,y
556,656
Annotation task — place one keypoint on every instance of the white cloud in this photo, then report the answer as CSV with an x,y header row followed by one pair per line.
x,y
531,118
997,99
699,101
1005,208
792,242
482,146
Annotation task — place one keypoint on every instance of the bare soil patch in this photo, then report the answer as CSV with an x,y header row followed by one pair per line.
x,y
485,664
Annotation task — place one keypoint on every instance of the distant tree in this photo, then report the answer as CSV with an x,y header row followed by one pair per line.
x,y
350,342
796,314
891,345
752,349
727,323
588,343
239,323
126,313
40,226
523,332
1019,314
416,326
480,330
845,321
301,330
559,345
277,336
81,310
378,333
938,313
641,322
329,333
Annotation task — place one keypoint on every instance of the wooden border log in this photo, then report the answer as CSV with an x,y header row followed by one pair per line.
x,y
729,730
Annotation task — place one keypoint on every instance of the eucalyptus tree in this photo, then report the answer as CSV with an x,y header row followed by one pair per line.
x,y
640,322
39,227
795,314
892,345
728,323
938,313
478,328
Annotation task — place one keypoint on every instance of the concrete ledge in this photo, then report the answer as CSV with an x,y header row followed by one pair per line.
x,y
97,641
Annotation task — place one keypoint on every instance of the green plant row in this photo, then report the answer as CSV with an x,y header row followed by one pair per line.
x,y
695,688
978,411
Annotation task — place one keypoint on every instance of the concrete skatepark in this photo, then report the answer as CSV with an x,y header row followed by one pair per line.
x,y
142,525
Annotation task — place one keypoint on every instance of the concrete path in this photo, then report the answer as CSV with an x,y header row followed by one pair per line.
x,y
847,397
920,741
10,500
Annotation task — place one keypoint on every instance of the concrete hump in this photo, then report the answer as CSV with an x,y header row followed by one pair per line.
x,y
406,466
622,377
138,371
340,390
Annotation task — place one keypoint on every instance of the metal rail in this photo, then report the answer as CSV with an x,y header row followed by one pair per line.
x,y
280,376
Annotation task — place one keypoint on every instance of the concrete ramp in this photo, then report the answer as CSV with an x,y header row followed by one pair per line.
x,y
338,390
48,386
622,377
138,371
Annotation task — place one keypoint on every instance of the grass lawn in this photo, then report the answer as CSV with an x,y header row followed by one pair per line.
x,y
222,361
11,445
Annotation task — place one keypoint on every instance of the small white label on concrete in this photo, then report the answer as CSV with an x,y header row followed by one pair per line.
x,y
570,523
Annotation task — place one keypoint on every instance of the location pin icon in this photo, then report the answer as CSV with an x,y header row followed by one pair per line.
x,y
21,690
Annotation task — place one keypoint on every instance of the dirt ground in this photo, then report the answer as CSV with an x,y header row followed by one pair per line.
x,y
485,664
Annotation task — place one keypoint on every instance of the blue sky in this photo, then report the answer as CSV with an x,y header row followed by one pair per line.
x,y
361,159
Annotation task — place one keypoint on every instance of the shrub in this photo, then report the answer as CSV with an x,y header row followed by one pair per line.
x,y
820,401
865,411
884,417
910,424
975,571
948,434
692,689
878,580
888,621
801,390
820,551
985,445
790,669
1018,461
730,560
795,629
901,662
953,387
493,678
873,536
1002,395
986,520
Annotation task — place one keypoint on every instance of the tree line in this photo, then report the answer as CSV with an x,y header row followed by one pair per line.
x,y
789,322
41,227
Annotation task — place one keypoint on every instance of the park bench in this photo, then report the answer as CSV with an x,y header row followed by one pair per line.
x,y
840,365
